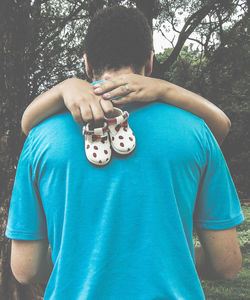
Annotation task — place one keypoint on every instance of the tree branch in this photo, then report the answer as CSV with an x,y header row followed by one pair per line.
x,y
58,28
170,41
192,22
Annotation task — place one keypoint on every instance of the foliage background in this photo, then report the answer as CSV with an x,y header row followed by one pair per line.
x,y
41,45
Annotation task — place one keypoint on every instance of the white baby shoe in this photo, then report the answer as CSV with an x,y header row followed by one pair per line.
x,y
121,136
97,145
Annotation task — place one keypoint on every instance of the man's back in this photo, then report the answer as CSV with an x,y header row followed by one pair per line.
x,y
125,231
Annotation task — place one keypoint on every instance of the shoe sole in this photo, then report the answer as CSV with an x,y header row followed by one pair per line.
x,y
98,164
123,153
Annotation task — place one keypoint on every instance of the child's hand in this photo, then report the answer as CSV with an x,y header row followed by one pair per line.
x,y
129,88
83,103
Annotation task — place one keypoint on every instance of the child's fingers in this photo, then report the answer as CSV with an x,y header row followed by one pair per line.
x,y
76,113
109,85
107,106
98,114
123,100
86,113
118,92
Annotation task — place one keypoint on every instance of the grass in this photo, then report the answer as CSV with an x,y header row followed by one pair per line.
x,y
239,288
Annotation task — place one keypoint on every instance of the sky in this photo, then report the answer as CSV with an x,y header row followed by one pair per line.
x,y
161,43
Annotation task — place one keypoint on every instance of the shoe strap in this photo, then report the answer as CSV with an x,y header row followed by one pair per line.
x,y
118,120
103,138
99,132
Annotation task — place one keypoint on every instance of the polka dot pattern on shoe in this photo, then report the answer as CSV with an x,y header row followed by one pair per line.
x,y
97,147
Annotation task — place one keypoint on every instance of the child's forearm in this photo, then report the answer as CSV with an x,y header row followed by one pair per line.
x,y
79,94
42,107
214,117
76,95
148,89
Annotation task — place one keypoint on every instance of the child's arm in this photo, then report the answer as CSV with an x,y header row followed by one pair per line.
x,y
81,99
74,94
42,107
143,88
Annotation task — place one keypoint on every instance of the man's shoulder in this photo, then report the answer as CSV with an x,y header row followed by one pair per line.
x,y
61,123
55,141
165,115
58,131
53,121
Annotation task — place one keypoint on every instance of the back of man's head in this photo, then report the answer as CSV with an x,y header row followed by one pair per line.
x,y
118,37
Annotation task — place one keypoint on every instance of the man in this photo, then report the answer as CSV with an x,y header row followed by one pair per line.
x,y
124,231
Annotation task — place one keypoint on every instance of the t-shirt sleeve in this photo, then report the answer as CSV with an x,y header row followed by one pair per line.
x,y
217,204
26,220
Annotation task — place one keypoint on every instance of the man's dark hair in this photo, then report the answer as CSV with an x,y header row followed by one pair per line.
x,y
118,37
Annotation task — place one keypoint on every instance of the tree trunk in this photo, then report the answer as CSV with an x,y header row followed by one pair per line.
x,y
15,38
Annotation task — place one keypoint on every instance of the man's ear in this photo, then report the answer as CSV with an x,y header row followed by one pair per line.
x,y
149,64
88,67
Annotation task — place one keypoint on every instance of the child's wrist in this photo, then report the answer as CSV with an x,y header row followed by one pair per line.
x,y
59,89
164,90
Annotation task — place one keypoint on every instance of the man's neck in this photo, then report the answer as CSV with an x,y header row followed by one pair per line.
x,y
114,73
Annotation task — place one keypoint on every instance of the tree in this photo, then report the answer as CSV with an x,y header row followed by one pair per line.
x,y
41,43
227,80
16,60
206,19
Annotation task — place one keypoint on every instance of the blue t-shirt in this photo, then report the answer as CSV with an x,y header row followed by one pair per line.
x,y
123,231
